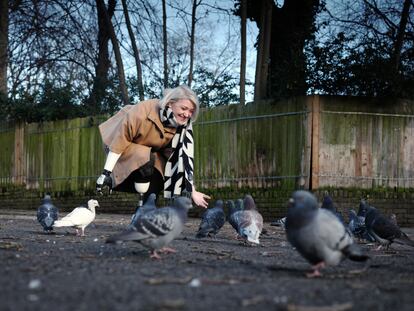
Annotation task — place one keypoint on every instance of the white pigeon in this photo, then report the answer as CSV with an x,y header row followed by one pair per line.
x,y
79,218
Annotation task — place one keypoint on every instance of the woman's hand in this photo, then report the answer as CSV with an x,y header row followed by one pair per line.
x,y
200,199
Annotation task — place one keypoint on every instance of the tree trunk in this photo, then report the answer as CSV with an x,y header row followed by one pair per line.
x,y
192,40
164,36
262,62
118,58
243,53
4,26
400,35
100,82
135,50
281,62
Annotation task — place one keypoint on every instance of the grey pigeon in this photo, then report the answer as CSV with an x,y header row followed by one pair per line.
x,y
157,228
328,204
212,220
147,207
233,217
250,221
47,213
79,218
357,226
317,234
384,231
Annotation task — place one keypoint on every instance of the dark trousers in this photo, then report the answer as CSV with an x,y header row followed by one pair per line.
x,y
156,183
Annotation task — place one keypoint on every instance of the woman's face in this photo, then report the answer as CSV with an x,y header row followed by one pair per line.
x,y
182,109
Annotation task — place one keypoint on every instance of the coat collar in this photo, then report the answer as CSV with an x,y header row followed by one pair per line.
x,y
154,116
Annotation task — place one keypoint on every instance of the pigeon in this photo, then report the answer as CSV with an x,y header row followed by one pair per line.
x,y
157,228
212,220
357,226
317,234
147,207
79,218
250,221
327,203
233,218
47,214
384,231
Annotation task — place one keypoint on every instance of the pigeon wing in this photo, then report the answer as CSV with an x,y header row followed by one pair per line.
x,y
384,228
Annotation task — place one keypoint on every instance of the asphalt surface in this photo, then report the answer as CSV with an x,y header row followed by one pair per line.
x,y
61,271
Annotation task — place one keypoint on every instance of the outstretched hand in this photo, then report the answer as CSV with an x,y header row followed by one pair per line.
x,y
199,198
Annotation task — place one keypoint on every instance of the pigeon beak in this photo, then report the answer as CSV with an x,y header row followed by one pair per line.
x,y
255,241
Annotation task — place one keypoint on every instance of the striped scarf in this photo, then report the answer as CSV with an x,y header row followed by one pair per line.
x,y
178,175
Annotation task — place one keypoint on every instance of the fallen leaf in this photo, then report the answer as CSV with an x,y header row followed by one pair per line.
x,y
10,245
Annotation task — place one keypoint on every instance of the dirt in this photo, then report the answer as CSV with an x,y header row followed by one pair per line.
x,y
61,271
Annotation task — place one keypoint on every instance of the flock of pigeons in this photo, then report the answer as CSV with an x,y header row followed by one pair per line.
x,y
319,234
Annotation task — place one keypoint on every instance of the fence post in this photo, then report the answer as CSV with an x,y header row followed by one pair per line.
x,y
316,117
19,159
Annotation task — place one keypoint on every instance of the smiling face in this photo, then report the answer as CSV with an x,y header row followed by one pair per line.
x,y
182,109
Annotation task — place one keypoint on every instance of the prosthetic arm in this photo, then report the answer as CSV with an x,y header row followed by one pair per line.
x,y
105,180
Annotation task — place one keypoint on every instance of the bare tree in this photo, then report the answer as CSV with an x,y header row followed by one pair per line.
x,y
164,36
135,50
262,62
243,52
4,25
103,63
115,46
367,44
192,40
399,39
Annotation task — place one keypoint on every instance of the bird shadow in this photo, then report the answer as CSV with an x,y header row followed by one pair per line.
x,y
219,241
52,233
124,250
292,271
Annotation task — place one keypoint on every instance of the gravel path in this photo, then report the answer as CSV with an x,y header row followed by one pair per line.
x,y
61,271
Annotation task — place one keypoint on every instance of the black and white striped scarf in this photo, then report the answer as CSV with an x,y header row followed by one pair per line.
x,y
178,174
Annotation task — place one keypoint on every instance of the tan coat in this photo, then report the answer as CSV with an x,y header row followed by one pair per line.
x,y
133,132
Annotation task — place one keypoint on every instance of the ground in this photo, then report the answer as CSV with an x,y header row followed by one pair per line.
x,y
61,271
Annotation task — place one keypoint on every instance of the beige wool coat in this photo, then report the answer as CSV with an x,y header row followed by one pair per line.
x,y
136,131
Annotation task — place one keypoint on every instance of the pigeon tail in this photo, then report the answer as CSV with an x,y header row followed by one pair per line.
x,y
127,235
355,253
63,223
49,221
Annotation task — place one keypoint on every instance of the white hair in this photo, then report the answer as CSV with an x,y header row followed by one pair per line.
x,y
178,93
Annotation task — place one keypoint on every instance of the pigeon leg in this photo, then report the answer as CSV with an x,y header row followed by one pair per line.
x,y
77,232
167,250
154,255
315,272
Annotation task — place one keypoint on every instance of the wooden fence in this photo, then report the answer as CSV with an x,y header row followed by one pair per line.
x,y
310,142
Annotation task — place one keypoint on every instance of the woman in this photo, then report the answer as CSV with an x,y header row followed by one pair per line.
x,y
152,141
